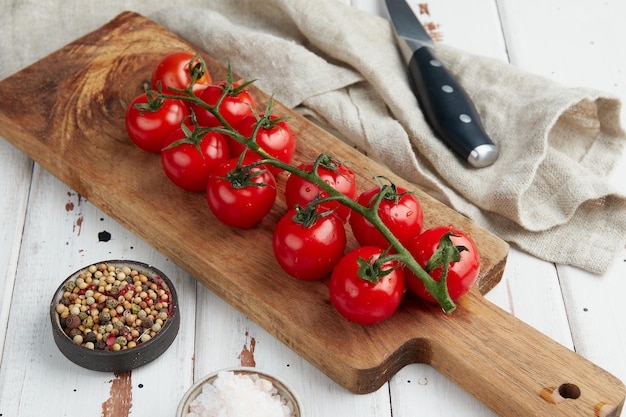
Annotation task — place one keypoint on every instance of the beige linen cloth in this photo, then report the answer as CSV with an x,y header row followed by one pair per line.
x,y
548,192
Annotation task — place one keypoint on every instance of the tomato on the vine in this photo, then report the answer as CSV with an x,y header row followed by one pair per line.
x,y
274,135
241,194
174,71
462,273
300,191
361,300
149,120
307,245
237,103
191,154
399,210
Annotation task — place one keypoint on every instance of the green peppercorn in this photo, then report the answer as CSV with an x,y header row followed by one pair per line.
x,y
114,290
104,317
121,340
119,325
70,285
111,303
135,309
88,322
82,315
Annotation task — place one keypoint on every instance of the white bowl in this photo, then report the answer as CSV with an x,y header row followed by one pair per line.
x,y
283,390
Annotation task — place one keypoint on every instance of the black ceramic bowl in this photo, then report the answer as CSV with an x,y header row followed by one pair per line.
x,y
126,359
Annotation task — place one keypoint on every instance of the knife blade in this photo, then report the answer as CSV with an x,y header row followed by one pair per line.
x,y
447,107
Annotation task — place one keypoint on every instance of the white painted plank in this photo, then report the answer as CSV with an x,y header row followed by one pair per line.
x,y
595,306
61,236
576,43
420,390
471,26
14,188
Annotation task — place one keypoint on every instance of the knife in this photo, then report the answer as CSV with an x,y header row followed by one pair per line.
x,y
446,105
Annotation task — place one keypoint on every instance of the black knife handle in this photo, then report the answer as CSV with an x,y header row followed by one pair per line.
x,y
449,110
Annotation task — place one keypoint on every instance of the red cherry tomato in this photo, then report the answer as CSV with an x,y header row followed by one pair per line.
x,y
362,301
148,129
461,274
399,210
239,197
300,191
308,246
237,104
173,71
274,136
188,167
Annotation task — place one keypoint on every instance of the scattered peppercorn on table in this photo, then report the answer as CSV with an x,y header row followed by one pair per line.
x,y
51,230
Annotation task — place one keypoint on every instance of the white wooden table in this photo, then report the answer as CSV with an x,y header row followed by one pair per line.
x,y
47,231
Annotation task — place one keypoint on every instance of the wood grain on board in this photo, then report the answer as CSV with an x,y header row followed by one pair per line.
x,y
75,130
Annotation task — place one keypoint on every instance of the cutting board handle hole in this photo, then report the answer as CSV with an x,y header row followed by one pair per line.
x,y
570,391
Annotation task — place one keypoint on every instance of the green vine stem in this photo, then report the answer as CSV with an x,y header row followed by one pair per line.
x,y
438,289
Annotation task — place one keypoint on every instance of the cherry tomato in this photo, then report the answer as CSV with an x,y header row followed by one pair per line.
x,y
399,210
300,191
307,246
274,136
360,300
241,197
173,71
237,104
148,129
187,166
461,274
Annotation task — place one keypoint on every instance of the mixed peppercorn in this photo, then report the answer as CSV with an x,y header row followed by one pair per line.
x,y
113,308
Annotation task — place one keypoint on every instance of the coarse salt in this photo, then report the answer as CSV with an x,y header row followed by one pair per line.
x,y
240,395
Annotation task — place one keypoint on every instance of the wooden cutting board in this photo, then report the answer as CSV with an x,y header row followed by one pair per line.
x,y
66,112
